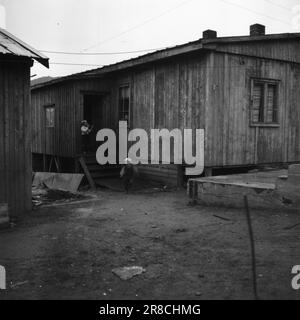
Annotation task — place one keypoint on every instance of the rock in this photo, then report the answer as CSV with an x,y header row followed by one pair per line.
x,y
126,273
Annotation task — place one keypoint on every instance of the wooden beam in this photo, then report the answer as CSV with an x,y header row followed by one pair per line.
x,y
57,163
87,173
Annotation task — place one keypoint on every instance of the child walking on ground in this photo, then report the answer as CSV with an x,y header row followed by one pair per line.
x,y
127,174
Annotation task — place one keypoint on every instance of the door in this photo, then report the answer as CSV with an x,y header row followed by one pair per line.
x,y
93,113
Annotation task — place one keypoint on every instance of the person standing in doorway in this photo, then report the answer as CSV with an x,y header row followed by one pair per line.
x,y
86,129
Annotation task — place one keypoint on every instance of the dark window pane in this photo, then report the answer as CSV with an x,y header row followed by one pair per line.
x,y
271,104
124,103
258,101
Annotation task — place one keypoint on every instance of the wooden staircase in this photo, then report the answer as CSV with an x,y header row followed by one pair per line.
x,y
95,172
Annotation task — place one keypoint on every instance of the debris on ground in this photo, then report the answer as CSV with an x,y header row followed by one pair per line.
x,y
292,227
222,218
126,273
180,230
18,284
163,189
44,196
139,186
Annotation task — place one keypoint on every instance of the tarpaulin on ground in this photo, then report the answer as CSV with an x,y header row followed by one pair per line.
x,y
58,181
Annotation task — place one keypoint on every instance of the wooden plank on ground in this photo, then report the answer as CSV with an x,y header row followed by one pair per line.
x,y
87,173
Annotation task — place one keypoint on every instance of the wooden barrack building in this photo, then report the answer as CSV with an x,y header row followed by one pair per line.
x,y
243,90
16,58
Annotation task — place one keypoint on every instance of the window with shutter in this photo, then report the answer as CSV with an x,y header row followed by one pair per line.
x,y
264,106
258,102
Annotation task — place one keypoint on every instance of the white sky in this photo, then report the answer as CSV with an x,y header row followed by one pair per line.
x,y
129,25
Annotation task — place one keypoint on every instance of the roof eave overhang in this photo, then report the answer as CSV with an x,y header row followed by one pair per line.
x,y
123,65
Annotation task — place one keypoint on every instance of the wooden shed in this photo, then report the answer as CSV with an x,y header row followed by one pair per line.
x,y
244,91
16,58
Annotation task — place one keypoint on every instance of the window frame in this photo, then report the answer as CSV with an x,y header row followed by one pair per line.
x,y
125,85
46,108
265,82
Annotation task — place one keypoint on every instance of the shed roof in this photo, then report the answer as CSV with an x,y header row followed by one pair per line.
x,y
201,44
10,45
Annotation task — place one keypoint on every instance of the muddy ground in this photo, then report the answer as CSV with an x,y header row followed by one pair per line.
x,y
69,251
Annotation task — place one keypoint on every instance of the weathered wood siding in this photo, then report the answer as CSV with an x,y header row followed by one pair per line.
x,y
214,93
210,91
64,139
287,50
168,95
230,140
293,115
15,138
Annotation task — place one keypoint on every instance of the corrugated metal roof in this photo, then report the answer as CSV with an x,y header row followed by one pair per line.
x,y
11,45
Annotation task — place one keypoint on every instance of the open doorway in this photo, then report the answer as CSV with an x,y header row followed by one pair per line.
x,y
93,113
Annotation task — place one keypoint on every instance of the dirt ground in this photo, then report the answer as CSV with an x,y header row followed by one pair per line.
x,y
189,252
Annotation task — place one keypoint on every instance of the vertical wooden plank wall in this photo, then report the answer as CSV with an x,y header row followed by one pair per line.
x,y
208,91
15,137
230,140
169,95
64,102
67,97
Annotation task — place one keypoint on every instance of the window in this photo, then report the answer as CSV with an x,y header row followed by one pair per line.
x,y
264,98
50,116
124,104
